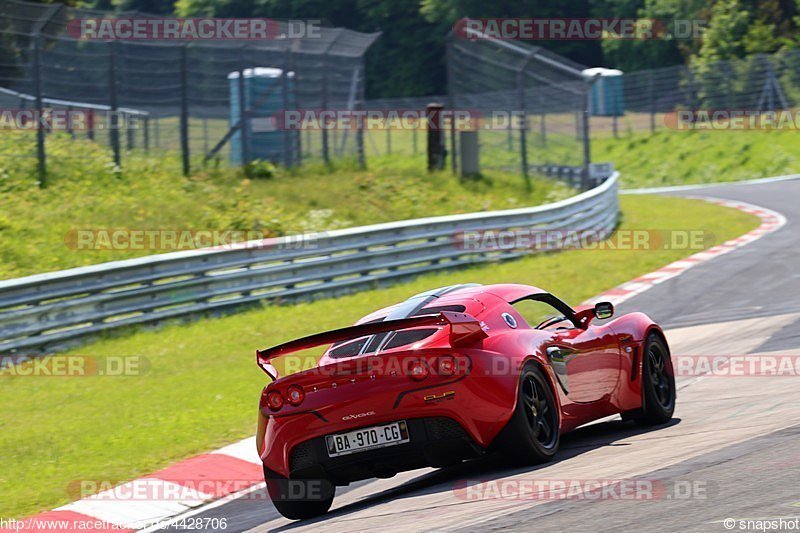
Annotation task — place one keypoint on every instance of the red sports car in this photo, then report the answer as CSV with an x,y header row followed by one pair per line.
x,y
450,375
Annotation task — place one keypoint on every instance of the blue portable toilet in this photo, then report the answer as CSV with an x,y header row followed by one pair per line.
x,y
606,97
263,87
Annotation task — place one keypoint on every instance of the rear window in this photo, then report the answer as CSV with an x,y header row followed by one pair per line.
x,y
408,337
396,339
350,349
437,310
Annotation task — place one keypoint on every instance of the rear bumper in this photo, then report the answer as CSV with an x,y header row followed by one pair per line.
x,y
434,442
479,402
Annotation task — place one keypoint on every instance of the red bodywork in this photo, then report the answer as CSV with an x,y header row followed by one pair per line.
x,y
602,369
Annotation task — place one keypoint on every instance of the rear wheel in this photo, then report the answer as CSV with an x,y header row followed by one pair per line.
x,y
658,383
297,499
531,435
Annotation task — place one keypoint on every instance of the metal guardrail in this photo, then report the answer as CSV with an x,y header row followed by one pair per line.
x,y
47,311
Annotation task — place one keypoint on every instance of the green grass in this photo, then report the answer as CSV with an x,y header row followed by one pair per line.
x,y
86,191
202,385
683,157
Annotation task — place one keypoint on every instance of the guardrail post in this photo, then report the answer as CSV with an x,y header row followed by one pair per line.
x,y
37,85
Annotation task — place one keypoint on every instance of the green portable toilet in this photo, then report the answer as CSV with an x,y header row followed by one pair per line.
x,y
263,88
606,96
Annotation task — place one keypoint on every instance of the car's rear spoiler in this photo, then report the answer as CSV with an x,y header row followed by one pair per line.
x,y
464,329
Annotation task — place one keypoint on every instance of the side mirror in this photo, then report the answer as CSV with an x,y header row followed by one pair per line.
x,y
603,310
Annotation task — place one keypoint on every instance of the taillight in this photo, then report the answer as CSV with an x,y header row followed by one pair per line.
x,y
295,395
418,370
274,400
446,366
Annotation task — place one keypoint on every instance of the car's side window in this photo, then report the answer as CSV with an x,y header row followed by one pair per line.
x,y
535,312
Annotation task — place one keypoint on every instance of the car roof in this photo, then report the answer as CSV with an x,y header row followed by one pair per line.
x,y
469,295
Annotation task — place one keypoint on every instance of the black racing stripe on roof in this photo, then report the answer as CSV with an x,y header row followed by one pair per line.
x,y
414,304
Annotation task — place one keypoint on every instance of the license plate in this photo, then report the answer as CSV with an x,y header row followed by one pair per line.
x,y
369,438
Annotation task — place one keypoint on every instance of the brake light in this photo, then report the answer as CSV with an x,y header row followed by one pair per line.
x,y
295,395
446,366
274,400
418,370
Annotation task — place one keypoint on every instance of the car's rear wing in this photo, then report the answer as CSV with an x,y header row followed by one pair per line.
x,y
464,329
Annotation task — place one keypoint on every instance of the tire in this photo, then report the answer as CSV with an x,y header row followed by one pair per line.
x,y
658,383
297,499
532,435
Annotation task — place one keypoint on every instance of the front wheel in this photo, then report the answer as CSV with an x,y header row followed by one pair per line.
x,y
658,383
297,499
532,435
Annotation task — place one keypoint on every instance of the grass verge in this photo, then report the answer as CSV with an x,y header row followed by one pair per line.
x,y
87,192
201,388
684,157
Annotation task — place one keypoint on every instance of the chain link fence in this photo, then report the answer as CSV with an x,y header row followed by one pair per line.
x,y
649,99
178,96
533,104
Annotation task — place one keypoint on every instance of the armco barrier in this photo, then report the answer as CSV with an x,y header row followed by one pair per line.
x,y
45,311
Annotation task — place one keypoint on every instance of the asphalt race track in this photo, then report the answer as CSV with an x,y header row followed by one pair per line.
x,y
731,452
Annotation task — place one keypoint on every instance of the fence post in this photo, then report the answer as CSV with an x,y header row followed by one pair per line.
x,y
146,133
129,131
287,135
90,124
451,103
155,132
433,112
205,135
113,131
587,156
729,86
325,155
70,128
523,127
37,81
543,123
652,96
184,65
245,133
362,155
388,138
